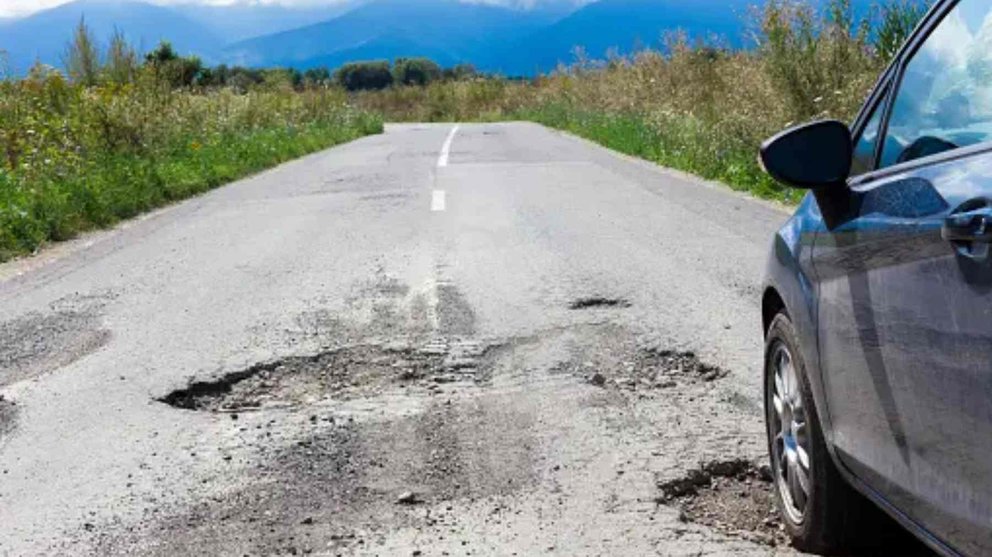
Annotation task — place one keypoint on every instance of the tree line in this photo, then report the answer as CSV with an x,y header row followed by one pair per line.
x,y
120,63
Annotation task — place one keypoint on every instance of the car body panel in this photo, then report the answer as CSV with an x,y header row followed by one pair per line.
x,y
905,348
895,325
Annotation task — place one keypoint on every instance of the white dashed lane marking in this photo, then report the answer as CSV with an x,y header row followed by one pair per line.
x,y
442,161
437,200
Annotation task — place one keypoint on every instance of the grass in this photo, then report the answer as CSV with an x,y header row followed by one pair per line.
x,y
75,158
682,143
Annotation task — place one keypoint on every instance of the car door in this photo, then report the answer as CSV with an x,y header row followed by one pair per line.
x,y
905,287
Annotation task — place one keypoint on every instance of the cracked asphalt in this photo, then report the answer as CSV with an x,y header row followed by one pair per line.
x,y
331,358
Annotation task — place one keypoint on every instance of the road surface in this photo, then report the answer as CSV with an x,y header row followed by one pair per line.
x,y
489,340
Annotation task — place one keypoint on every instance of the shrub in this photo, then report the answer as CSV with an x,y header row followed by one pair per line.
x,y
415,71
359,76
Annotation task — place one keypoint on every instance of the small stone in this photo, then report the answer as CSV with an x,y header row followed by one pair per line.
x,y
409,498
597,379
307,521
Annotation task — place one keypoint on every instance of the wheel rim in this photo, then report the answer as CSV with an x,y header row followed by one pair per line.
x,y
790,446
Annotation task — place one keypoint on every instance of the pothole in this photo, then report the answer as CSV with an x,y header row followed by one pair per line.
x,y
598,302
649,369
732,496
8,415
344,373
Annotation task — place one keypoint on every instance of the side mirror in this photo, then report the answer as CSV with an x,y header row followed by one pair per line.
x,y
810,156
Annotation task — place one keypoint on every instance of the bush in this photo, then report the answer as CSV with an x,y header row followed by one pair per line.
x,y
415,71
361,76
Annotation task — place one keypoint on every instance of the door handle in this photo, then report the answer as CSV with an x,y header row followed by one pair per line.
x,y
969,230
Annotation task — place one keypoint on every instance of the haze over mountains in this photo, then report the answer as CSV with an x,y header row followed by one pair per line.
x,y
511,40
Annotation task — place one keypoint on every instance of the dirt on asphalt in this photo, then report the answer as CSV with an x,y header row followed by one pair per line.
x,y
732,496
37,343
343,451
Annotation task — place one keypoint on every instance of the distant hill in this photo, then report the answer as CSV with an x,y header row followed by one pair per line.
x,y
447,30
521,38
241,21
43,35
624,25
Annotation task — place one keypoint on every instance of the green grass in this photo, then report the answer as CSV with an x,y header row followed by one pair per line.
x,y
678,142
107,186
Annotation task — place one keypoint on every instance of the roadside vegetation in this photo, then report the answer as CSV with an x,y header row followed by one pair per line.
x,y
697,106
117,134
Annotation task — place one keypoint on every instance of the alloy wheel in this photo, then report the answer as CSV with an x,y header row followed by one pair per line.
x,y
791,444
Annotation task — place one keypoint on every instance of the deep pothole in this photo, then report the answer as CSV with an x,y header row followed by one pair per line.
x,y
648,369
594,302
343,373
732,496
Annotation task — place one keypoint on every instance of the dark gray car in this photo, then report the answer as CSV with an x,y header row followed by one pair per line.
x,y
878,306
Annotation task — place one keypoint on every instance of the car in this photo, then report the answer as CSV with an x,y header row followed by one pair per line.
x,y
877,308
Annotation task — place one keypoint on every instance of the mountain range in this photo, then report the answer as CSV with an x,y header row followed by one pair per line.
x,y
515,39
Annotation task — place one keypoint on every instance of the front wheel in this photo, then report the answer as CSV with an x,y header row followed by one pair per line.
x,y
821,513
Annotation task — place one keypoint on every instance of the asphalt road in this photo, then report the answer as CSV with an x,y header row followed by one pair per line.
x,y
446,343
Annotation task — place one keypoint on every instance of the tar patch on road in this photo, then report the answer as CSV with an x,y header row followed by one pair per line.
x,y
37,343
732,496
598,302
343,373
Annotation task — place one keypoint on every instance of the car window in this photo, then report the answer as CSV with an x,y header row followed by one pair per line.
x,y
945,98
863,159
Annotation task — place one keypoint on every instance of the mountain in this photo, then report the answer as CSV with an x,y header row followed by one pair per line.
x,y
628,25
447,30
246,20
623,25
43,35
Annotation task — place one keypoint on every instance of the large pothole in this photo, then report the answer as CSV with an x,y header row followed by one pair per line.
x,y
345,483
647,369
343,373
732,496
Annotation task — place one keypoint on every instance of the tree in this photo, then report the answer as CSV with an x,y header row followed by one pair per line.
x,y
897,21
168,65
162,54
122,61
415,71
316,77
82,58
460,72
357,76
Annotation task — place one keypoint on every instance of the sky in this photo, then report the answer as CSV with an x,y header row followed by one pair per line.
x,y
17,8
14,8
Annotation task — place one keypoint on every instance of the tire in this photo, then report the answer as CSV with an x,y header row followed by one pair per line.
x,y
832,517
